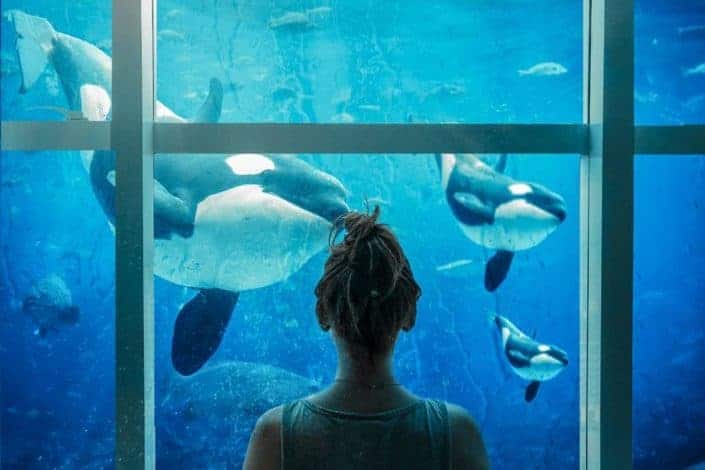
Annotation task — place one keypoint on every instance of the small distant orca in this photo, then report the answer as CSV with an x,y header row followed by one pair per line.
x,y
496,211
529,359
222,223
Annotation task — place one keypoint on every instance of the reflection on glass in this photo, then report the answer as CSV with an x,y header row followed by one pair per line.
x,y
272,350
50,50
350,61
56,316
669,78
669,333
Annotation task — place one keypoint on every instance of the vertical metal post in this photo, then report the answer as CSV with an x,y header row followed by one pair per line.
x,y
131,139
606,228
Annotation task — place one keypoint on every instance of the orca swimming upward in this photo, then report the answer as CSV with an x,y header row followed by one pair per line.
x,y
529,359
496,211
223,224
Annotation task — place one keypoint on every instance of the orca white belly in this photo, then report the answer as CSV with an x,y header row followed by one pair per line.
x,y
543,367
518,226
243,239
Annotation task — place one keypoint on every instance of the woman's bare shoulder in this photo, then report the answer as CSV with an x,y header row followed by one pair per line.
x,y
467,446
264,450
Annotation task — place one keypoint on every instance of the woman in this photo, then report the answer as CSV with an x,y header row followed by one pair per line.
x,y
366,419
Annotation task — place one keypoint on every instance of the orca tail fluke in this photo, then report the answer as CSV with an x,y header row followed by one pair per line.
x,y
531,391
211,108
35,41
199,329
497,269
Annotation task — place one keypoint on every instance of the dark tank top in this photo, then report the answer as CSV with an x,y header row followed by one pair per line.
x,y
410,438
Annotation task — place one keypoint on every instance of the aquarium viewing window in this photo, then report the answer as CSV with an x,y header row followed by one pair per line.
x,y
607,141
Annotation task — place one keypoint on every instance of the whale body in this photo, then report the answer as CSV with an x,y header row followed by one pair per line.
x,y
496,211
222,223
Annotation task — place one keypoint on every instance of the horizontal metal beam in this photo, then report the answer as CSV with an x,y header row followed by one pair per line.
x,y
370,138
54,135
348,138
675,140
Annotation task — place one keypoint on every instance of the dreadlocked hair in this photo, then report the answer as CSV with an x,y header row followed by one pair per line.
x,y
367,292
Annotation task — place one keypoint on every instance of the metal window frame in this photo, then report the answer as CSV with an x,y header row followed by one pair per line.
x,y
349,138
607,140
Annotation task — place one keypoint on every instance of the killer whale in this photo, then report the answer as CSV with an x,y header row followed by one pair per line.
x,y
223,223
497,212
528,358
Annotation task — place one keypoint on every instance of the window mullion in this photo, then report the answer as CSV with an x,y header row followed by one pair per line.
x,y
131,135
607,201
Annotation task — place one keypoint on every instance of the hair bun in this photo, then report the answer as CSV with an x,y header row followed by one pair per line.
x,y
360,226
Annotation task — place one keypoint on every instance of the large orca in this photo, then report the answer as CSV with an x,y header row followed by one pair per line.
x,y
529,359
496,211
223,223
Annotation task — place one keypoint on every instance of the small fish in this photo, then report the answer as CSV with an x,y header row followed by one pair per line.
x,y
343,117
171,35
697,70
454,265
544,69
696,31
292,19
318,11
173,14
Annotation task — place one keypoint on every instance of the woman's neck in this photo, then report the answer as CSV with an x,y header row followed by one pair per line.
x,y
378,370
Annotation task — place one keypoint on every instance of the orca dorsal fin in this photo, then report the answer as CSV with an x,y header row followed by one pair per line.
x,y
211,108
501,164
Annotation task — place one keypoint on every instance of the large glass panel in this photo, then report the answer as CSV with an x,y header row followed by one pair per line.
x,y
57,313
669,79
669,319
50,49
374,61
273,350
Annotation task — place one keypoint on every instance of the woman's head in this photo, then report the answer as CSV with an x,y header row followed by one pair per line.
x,y
367,292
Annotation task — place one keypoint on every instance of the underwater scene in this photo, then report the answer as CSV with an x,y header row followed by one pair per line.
x,y
493,240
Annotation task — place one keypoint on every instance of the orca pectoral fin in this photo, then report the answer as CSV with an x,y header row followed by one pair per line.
x,y
479,210
497,269
531,390
171,214
199,329
211,108
517,359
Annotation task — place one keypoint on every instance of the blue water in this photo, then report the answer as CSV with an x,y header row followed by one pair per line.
x,y
365,61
